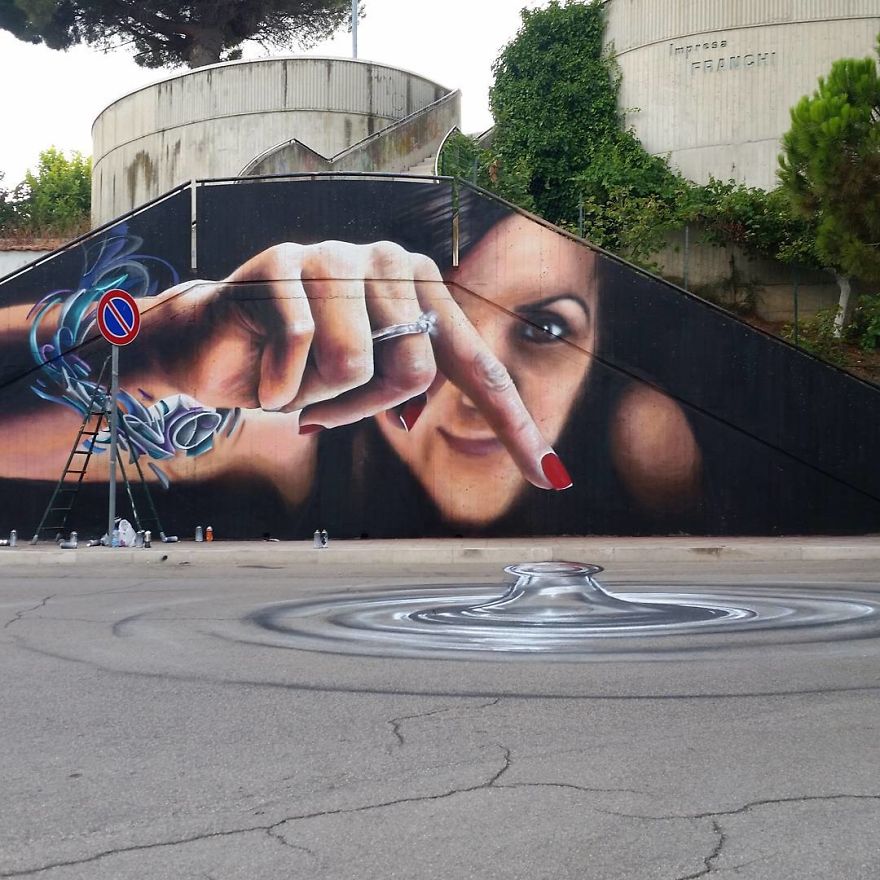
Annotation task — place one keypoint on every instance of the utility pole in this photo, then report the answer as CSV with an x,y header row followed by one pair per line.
x,y
354,28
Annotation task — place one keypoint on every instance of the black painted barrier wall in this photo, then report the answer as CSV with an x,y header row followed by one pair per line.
x,y
666,414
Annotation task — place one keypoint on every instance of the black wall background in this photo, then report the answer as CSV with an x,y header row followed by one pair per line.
x,y
791,443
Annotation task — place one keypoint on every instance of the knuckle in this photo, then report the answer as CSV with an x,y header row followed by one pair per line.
x,y
424,268
422,371
285,253
385,254
411,378
491,373
302,329
332,260
388,263
349,369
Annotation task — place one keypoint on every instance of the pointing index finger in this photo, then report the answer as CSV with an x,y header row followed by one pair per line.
x,y
468,362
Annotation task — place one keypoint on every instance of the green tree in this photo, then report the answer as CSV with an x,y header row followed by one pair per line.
x,y
462,156
56,198
830,169
631,200
7,207
761,223
168,34
555,102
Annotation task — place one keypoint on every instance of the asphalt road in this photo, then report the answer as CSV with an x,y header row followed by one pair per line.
x,y
148,733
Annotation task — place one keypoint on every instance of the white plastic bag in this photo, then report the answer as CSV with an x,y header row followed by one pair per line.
x,y
127,534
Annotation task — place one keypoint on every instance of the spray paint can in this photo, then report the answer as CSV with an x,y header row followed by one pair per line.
x,y
209,533
199,535
317,540
325,538
13,538
148,539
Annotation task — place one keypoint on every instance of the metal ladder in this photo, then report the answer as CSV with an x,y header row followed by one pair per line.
x,y
148,521
63,500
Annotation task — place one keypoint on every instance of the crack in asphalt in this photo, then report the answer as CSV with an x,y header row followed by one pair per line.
x,y
104,620
135,848
803,799
20,614
584,788
283,841
128,588
709,860
271,829
735,869
396,722
502,771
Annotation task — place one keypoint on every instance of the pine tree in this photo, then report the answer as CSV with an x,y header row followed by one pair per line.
x,y
830,168
168,34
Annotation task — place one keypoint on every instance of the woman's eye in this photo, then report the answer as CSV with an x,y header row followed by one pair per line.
x,y
544,328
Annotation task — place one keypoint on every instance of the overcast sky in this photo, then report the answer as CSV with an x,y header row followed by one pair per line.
x,y
51,98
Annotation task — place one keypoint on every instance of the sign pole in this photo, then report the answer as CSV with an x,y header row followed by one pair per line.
x,y
119,321
114,433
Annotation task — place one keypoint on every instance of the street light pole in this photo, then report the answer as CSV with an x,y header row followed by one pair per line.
x,y
354,28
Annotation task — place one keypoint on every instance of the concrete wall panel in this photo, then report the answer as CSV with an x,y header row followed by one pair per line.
x,y
11,260
212,122
711,84
396,149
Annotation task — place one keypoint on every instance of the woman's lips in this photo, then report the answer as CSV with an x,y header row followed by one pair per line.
x,y
472,445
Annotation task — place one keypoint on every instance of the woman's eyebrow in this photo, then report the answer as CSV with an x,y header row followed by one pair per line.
x,y
545,303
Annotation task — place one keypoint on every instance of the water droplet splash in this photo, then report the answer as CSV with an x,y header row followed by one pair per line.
x,y
559,611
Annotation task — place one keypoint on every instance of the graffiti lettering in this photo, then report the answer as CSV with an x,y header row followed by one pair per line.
x,y
171,426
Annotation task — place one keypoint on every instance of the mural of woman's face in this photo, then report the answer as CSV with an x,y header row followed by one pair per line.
x,y
531,294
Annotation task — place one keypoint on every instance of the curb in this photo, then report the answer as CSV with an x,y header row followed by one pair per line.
x,y
457,552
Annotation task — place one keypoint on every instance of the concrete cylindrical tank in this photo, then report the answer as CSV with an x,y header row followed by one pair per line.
x,y
711,82
211,122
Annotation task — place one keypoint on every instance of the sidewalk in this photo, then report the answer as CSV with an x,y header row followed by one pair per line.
x,y
461,551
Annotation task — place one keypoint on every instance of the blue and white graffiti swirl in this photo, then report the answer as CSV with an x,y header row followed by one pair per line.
x,y
175,425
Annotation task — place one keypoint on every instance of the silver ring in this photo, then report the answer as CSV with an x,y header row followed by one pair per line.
x,y
425,324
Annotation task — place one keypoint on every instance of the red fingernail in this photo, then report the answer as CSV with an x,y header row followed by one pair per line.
x,y
410,413
555,471
407,414
310,429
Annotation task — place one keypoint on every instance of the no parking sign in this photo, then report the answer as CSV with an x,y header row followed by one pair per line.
x,y
119,318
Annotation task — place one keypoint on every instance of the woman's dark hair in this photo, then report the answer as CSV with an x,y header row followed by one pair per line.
x,y
437,218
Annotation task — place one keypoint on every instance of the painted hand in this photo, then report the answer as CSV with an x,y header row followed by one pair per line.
x,y
292,329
